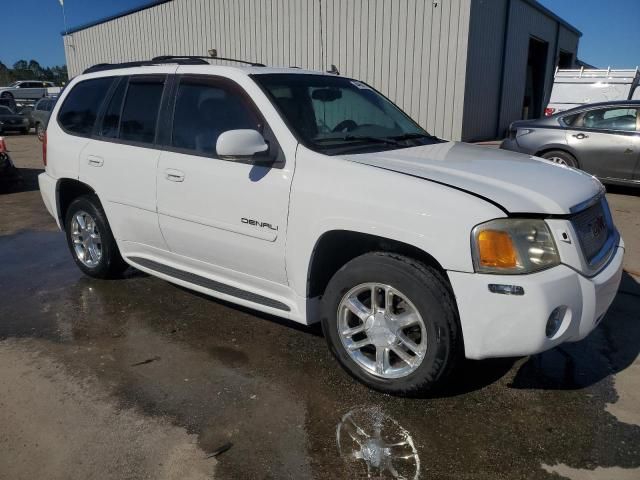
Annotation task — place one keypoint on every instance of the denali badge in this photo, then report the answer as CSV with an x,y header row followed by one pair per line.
x,y
257,223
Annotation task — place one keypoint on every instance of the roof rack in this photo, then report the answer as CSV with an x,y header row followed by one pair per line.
x,y
144,63
169,59
213,56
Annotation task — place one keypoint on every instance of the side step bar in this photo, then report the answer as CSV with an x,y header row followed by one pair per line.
x,y
210,284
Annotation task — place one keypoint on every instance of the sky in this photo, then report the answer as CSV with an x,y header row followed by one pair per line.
x,y
31,28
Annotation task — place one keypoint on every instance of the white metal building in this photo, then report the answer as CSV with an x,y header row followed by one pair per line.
x,y
463,69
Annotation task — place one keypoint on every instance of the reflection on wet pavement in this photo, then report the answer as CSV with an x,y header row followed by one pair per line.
x,y
272,389
380,443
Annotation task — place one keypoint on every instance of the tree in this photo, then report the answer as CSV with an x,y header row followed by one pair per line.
x,y
20,65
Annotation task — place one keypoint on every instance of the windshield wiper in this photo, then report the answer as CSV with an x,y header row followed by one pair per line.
x,y
414,136
387,140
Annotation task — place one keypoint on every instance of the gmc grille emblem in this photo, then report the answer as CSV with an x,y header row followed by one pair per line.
x,y
598,226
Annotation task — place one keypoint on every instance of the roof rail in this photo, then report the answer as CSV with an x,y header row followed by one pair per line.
x,y
144,63
214,56
164,59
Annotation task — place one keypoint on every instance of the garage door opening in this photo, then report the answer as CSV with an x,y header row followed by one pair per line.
x,y
536,73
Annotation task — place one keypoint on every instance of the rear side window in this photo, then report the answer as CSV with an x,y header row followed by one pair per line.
x,y
80,109
140,111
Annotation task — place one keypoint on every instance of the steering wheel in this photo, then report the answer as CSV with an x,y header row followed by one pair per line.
x,y
345,125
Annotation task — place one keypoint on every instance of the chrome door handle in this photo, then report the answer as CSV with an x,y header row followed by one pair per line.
x,y
174,175
580,136
95,161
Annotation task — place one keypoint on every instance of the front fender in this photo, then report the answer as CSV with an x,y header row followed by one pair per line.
x,y
329,193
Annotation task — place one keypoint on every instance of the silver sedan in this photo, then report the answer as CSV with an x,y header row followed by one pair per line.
x,y
601,138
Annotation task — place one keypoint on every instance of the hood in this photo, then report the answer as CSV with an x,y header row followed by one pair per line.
x,y
518,183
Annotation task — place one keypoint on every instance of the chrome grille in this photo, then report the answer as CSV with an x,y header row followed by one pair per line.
x,y
593,226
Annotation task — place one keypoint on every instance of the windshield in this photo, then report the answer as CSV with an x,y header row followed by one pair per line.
x,y
332,115
14,84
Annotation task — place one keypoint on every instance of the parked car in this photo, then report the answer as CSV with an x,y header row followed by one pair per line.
x,y
11,121
9,103
9,176
573,88
602,139
40,115
312,197
28,90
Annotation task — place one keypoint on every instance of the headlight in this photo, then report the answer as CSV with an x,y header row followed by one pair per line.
x,y
510,245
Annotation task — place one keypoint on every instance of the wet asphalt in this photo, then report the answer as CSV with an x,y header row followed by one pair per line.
x,y
271,390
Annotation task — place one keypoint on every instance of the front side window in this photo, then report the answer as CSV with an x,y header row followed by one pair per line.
x,y
334,114
140,110
80,108
623,119
204,109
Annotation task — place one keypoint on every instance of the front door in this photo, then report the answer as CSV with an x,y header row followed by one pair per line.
x,y
606,141
229,216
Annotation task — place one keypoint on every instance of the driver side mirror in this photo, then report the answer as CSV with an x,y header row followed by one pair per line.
x,y
243,144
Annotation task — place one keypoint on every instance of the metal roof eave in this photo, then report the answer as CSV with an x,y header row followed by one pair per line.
x,y
139,8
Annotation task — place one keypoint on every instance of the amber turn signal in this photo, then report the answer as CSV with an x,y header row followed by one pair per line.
x,y
496,249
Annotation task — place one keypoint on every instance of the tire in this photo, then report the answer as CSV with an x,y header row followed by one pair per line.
x,y
561,157
40,131
416,287
102,258
25,131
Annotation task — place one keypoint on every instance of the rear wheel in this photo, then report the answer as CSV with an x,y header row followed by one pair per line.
x,y
90,239
562,158
391,322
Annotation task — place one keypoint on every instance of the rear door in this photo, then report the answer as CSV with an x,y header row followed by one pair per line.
x,y
120,161
606,140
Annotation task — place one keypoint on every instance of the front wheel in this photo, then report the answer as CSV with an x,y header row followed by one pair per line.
x,y
391,322
90,239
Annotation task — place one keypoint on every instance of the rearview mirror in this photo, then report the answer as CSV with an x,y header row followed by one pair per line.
x,y
326,94
242,145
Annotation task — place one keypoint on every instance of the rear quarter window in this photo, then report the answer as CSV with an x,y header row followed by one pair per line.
x,y
80,109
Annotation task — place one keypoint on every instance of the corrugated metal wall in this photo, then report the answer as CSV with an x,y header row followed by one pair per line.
x,y
414,51
495,91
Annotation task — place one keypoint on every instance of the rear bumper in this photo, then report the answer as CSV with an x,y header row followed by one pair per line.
x,y
497,325
48,191
511,144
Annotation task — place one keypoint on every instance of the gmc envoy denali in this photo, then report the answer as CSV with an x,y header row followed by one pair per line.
x,y
312,197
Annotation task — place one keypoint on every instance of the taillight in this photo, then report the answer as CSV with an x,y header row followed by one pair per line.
x,y
44,149
549,111
3,145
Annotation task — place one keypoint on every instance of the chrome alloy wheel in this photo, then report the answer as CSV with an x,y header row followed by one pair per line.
x,y
86,239
382,330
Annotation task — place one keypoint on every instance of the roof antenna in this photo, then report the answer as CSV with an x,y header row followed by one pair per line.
x,y
334,70
213,53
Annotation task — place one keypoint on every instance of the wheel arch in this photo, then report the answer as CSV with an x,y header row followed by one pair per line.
x,y
67,190
334,248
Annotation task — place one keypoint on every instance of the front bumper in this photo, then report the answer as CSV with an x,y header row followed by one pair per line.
x,y
498,325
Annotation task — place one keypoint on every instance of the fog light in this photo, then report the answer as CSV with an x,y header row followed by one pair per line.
x,y
555,321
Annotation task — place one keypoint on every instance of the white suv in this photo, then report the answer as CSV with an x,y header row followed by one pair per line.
x,y
312,197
